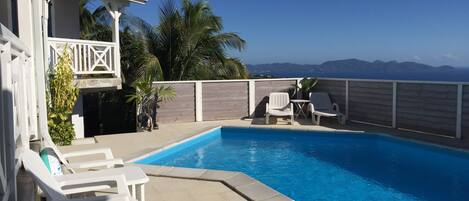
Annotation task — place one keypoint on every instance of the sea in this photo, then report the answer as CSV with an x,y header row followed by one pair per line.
x,y
459,75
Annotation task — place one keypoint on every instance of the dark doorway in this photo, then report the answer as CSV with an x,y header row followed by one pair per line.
x,y
108,113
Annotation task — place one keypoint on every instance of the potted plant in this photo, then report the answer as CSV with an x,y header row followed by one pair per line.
x,y
147,98
305,86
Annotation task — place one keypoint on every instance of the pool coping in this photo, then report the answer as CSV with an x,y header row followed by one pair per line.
x,y
242,184
135,159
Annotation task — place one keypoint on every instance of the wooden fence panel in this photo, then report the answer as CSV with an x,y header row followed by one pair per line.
x,y
465,112
371,102
427,107
181,108
264,88
336,90
225,100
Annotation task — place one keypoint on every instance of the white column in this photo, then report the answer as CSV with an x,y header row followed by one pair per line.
x,y
198,102
113,7
40,49
252,97
116,39
78,119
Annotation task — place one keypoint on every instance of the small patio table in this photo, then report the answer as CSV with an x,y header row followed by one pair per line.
x,y
300,105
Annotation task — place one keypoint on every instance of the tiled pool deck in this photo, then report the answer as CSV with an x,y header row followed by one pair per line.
x,y
175,184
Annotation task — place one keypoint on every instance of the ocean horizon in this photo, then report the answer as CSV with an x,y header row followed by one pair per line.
x,y
457,75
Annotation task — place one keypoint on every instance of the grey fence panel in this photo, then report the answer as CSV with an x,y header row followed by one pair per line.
x,y
225,100
181,108
427,107
264,88
465,112
371,102
336,90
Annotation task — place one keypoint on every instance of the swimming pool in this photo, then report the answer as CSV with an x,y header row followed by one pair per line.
x,y
306,165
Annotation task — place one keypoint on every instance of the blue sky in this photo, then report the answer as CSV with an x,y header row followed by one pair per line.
x,y
313,31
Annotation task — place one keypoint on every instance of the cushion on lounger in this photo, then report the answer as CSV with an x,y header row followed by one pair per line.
x,y
52,162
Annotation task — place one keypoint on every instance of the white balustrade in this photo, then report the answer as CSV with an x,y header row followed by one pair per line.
x,y
88,57
18,115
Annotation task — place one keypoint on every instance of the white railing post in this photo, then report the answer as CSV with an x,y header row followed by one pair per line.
x,y
459,112
198,102
32,100
394,104
347,99
252,97
22,98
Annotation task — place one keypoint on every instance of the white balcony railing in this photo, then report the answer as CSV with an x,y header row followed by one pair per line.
x,y
88,57
18,116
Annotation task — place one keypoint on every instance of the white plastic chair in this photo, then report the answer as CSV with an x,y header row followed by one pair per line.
x,y
279,105
78,183
321,105
134,176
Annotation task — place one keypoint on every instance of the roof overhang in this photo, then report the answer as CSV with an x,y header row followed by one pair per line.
x,y
139,1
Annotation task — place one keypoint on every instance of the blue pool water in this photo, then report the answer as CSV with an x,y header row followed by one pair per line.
x,y
328,166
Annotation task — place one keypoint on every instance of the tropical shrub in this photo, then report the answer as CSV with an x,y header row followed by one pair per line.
x,y
62,96
147,98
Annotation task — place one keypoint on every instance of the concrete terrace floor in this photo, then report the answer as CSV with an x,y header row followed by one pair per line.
x,y
131,145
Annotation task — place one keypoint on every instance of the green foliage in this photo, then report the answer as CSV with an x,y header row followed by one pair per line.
x,y
306,85
136,61
62,96
148,97
190,43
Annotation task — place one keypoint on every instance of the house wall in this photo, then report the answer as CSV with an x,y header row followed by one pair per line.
x,y
65,16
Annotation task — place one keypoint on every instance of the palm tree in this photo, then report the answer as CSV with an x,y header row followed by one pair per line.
x,y
190,43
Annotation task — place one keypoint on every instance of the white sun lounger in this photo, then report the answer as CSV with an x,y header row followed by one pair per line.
x,y
109,161
321,105
279,105
134,176
57,190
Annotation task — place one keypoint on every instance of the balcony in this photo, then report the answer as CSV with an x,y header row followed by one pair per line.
x,y
96,64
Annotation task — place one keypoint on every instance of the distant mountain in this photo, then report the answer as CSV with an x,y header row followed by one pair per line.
x,y
344,66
